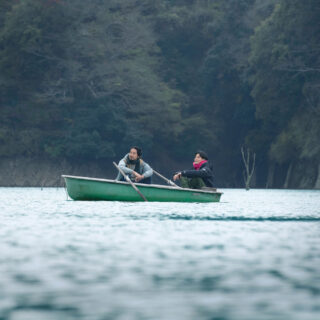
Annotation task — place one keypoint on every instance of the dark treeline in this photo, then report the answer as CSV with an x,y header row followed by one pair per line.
x,y
83,80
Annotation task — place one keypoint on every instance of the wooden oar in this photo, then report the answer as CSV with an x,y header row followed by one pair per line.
x,y
128,180
165,179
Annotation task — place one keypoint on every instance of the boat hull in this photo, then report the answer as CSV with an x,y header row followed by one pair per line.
x,y
83,188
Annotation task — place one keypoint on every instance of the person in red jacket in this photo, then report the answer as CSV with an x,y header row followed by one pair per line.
x,y
199,176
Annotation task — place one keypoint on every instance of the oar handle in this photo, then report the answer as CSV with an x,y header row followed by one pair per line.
x,y
165,179
128,180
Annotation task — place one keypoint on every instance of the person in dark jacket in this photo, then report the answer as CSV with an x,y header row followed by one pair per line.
x,y
200,176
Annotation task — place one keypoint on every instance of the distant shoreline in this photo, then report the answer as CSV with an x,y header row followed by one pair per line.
x,y
35,172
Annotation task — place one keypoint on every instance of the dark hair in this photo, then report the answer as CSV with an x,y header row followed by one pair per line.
x,y
139,150
202,154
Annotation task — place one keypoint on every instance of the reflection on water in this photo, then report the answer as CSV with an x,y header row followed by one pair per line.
x,y
255,255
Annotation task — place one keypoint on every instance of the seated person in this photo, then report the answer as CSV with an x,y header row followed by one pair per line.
x,y
135,167
200,176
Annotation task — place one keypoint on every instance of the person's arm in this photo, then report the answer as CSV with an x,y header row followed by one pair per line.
x,y
202,173
147,171
122,165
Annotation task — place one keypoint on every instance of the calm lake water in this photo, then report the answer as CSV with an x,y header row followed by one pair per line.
x,y
255,255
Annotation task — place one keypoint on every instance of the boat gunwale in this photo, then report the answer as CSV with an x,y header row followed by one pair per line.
x,y
142,184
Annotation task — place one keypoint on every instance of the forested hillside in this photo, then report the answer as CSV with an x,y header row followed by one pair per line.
x,y
81,81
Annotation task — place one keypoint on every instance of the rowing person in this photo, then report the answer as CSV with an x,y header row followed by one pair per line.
x,y
133,165
199,176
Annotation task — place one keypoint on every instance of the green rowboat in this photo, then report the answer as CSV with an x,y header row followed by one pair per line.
x,y
83,188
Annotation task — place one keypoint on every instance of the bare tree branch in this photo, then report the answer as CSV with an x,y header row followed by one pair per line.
x,y
249,170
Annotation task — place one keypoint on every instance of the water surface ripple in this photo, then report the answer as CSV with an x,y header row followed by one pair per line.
x,y
255,255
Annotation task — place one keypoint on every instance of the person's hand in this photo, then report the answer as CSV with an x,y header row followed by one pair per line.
x,y
177,176
139,177
136,174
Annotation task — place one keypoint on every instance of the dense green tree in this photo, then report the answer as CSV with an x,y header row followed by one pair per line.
x,y
285,77
93,66
30,48
83,80
205,46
